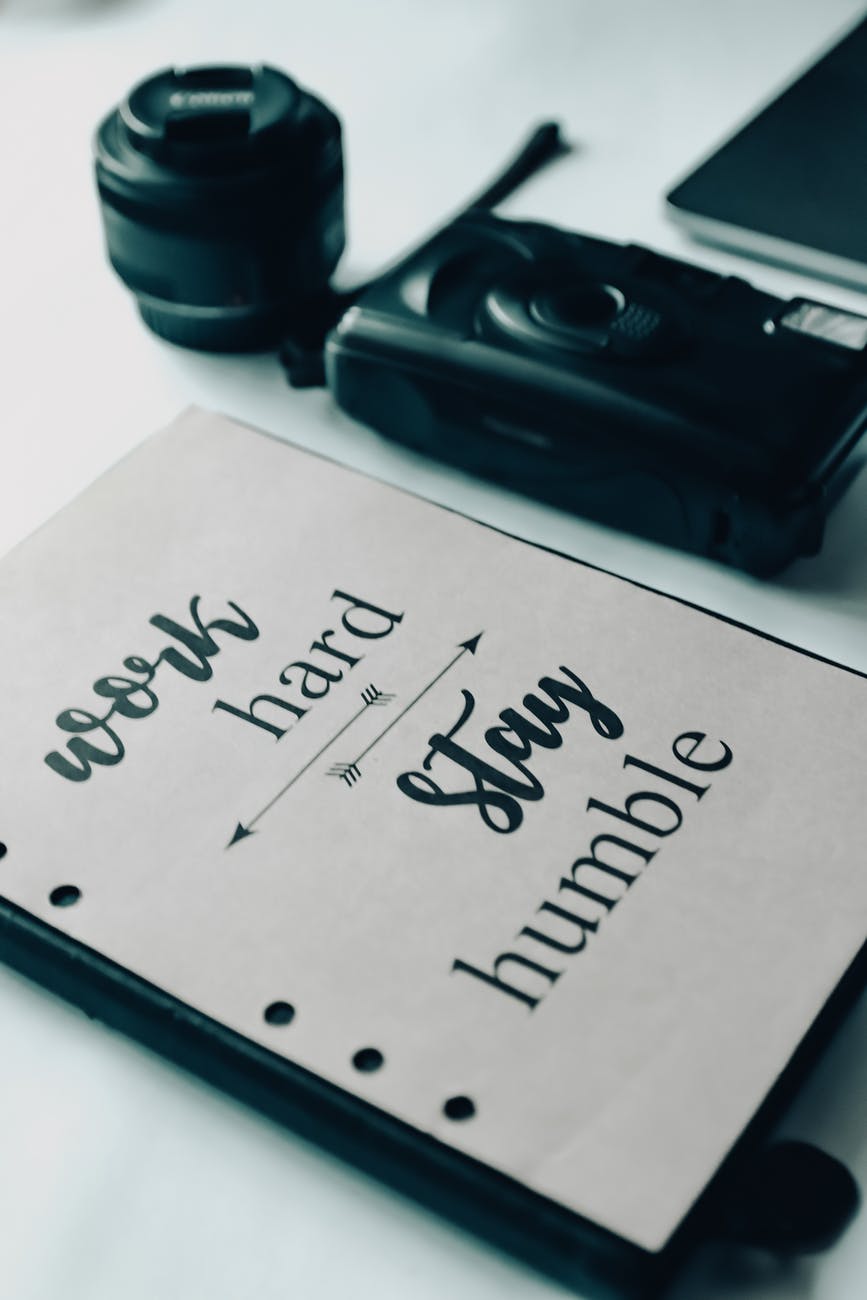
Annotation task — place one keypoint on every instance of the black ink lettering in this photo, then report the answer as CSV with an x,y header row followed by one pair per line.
x,y
200,643
585,892
121,690
496,791
594,804
697,790
249,715
594,877
550,715
136,699
526,733
80,721
135,664
310,670
512,989
592,859
583,928
604,721
698,738
492,789
367,632
322,644
592,862
423,789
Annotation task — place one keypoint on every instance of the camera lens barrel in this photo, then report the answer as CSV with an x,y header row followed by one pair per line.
x,y
221,191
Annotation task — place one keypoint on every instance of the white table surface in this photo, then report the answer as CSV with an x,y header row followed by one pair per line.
x,y
123,1178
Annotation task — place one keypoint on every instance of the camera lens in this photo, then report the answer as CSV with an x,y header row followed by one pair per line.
x,y
222,201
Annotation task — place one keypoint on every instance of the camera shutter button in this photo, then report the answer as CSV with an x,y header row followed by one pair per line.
x,y
584,310
599,317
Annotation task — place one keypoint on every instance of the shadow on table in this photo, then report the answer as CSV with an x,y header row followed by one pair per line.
x,y
36,10
722,1273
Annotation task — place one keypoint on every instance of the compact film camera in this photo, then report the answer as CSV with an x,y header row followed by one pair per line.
x,y
638,390
633,388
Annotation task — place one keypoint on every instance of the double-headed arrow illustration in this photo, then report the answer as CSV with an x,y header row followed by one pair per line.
x,y
371,698
349,773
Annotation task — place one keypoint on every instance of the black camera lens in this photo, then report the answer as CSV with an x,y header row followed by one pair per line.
x,y
222,200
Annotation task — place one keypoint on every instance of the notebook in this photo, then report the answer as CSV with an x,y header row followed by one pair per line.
x,y
519,883
789,186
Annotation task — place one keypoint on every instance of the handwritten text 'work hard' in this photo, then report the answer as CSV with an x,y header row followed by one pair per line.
x,y
96,740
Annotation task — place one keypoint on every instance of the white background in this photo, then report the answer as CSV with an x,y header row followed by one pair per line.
x,y
124,1179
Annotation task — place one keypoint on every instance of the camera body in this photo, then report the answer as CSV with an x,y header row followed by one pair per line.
x,y
641,391
638,390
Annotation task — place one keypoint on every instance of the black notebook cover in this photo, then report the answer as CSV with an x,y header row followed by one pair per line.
x,y
526,887
790,185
